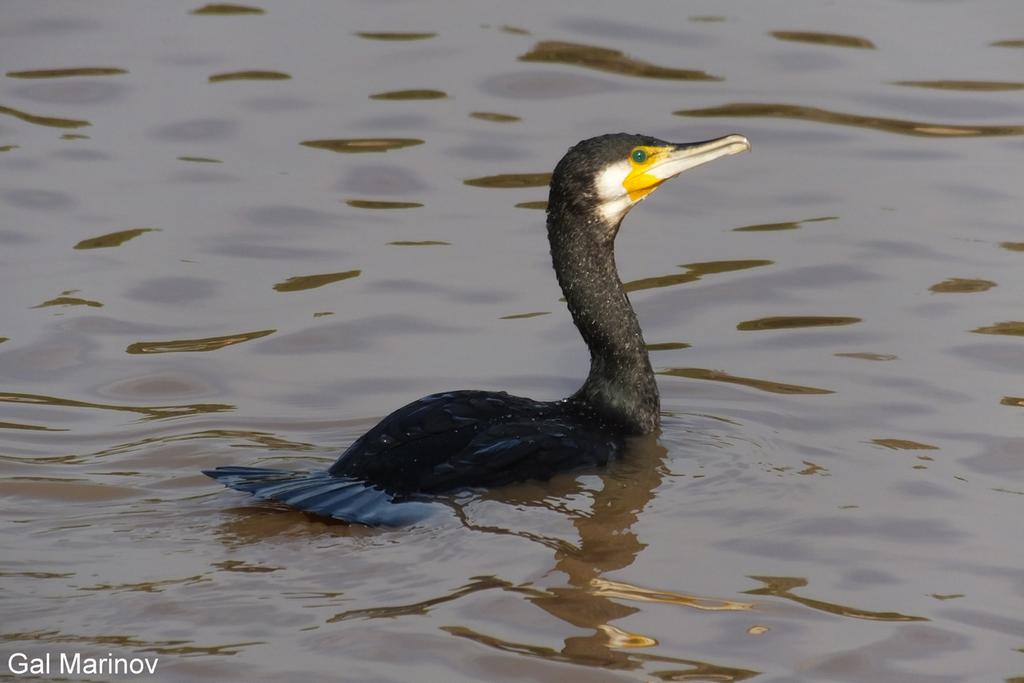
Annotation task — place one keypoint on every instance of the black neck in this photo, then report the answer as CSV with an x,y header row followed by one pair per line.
x,y
621,385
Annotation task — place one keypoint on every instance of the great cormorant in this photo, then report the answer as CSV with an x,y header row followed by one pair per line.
x,y
462,439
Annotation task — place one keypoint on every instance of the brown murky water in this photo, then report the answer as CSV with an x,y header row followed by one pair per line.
x,y
241,235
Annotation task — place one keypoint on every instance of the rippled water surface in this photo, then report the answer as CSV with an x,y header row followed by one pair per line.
x,y
240,235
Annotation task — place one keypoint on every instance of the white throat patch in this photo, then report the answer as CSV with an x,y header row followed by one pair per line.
x,y
611,193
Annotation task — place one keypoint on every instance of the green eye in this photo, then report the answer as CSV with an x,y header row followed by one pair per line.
x,y
639,156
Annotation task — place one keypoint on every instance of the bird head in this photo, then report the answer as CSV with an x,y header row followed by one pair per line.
x,y
608,175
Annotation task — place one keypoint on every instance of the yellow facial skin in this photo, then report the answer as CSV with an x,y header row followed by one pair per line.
x,y
641,182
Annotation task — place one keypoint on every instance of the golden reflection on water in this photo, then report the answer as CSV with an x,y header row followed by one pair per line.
x,y
956,285
494,117
970,86
420,94
813,468
113,239
148,412
714,267
379,204
762,384
226,9
65,300
302,282
251,75
360,145
394,35
788,322
787,225
830,39
904,445
68,73
40,575
610,61
541,204
659,281
163,647
49,121
946,596
619,638
782,587
244,567
899,126
867,355
1015,401
625,591
667,346
28,427
1010,327
694,272
147,586
195,345
523,316
510,180
1012,246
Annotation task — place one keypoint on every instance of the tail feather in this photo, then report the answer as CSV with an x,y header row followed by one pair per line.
x,y
320,493
304,494
328,500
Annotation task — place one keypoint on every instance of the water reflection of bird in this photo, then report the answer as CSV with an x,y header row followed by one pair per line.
x,y
462,439
587,604
579,591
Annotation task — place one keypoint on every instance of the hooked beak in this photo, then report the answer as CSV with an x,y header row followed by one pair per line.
x,y
684,156
670,161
